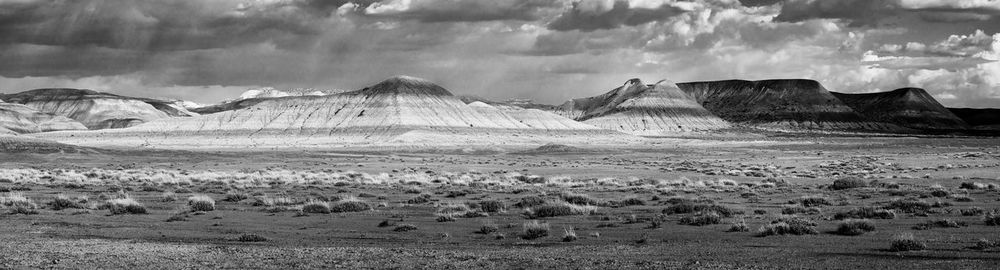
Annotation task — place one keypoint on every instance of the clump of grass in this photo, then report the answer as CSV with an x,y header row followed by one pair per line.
x,y
557,209
962,198
788,225
579,199
739,226
65,202
492,206
972,211
811,201
350,204
984,244
992,218
19,204
316,207
236,197
446,218
405,227
855,227
419,199
251,238
792,210
273,201
702,219
489,228
626,202
569,235
906,242
909,205
201,203
940,223
125,206
866,212
533,230
691,207
530,201
168,196
848,183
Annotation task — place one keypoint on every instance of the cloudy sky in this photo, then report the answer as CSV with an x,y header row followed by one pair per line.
x,y
549,50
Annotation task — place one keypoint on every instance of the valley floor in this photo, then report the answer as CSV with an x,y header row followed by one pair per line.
x,y
662,207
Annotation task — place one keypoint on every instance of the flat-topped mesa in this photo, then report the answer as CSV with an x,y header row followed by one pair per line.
x,y
783,104
397,111
17,118
979,119
644,109
96,110
907,107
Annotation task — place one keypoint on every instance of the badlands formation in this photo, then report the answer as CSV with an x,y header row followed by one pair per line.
x,y
20,119
907,107
402,111
644,109
97,110
780,104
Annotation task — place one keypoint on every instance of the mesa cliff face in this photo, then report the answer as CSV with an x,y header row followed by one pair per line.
x,y
644,109
783,104
97,110
20,119
400,110
907,107
980,119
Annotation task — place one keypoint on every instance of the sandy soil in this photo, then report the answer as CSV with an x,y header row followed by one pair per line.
x,y
756,180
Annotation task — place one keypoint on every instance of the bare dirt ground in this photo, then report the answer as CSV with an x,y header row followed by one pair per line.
x,y
661,207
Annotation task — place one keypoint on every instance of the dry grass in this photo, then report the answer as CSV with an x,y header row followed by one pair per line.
x,y
201,203
65,202
125,206
533,230
316,207
19,204
906,242
350,204
569,234
558,209
855,227
866,212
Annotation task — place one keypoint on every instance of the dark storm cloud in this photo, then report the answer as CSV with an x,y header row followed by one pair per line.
x,y
876,12
459,11
759,3
589,17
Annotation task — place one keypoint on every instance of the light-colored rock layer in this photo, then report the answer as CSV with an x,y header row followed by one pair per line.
x,y
646,110
781,104
399,111
17,118
907,107
97,110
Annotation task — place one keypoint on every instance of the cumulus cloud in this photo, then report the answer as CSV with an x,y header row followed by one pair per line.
x,y
589,15
459,11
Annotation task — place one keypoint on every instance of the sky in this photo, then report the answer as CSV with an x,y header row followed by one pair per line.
x,y
548,50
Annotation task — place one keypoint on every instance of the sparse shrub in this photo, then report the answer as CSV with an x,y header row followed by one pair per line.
x,y
168,196
201,203
19,204
909,205
962,198
386,223
579,199
251,238
350,205
65,202
848,183
941,223
178,217
569,235
689,207
973,211
405,227
530,201
533,230
474,214
940,193
702,219
531,179
236,197
316,207
419,199
626,202
811,201
125,206
855,227
984,244
273,201
788,225
866,212
739,226
972,186
792,210
906,242
492,206
557,209
992,218
489,228
446,218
